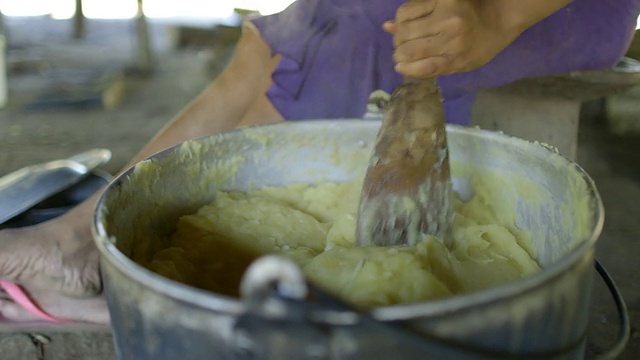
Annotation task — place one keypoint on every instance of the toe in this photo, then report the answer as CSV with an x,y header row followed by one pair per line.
x,y
53,307
14,312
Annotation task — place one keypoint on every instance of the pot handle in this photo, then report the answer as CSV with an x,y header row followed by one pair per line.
x,y
624,330
286,317
376,105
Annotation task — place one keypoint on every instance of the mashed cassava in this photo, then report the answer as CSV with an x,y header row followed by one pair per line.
x,y
314,225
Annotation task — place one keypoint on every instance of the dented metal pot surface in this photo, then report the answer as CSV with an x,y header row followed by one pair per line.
x,y
542,316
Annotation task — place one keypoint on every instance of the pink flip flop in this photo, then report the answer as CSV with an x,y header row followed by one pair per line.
x,y
22,298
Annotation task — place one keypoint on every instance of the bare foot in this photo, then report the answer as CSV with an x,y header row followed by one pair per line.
x,y
89,309
58,255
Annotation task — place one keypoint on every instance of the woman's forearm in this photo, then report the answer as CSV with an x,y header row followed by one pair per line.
x,y
223,104
519,15
220,107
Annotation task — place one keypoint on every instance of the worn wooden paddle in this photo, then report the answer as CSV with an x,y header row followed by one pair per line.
x,y
407,188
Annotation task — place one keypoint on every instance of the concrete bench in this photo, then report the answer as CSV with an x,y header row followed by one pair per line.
x,y
547,109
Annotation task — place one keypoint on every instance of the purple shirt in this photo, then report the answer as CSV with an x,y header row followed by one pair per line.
x,y
334,54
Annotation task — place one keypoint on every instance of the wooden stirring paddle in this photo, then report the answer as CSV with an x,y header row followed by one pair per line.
x,y
407,188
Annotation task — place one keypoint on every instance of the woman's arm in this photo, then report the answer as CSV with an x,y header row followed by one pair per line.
x,y
519,15
235,98
239,91
436,37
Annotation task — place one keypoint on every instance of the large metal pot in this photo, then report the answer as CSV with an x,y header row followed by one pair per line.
x,y
544,315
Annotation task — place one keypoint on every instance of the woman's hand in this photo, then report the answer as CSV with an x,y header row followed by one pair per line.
x,y
435,37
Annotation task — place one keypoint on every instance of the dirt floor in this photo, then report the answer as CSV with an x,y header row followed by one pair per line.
x,y
38,125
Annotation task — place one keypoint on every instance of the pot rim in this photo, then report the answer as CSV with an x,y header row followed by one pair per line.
x,y
434,308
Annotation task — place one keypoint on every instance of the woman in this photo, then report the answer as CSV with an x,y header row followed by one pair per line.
x,y
322,59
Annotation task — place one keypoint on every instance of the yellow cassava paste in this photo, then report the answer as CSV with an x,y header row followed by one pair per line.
x,y
315,226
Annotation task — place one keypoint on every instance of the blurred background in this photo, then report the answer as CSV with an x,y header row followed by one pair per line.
x,y
82,74
126,9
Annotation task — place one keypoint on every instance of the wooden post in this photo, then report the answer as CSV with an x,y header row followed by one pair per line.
x,y
144,51
78,21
